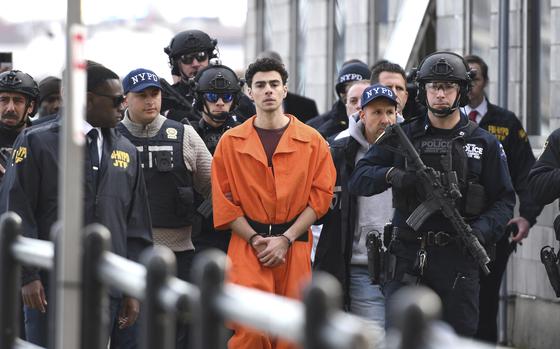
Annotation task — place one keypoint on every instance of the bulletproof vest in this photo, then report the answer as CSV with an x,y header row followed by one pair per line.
x,y
168,182
445,153
211,135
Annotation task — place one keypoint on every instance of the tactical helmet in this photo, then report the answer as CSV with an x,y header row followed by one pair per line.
x,y
20,82
351,72
444,66
218,79
190,41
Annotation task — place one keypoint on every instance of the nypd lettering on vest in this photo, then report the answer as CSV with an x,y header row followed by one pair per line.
x,y
473,151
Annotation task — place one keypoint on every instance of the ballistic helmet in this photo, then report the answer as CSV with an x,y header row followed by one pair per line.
x,y
444,66
190,41
216,79
20,82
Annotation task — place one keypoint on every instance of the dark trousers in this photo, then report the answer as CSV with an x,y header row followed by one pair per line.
x,y
450,273
36,326
39,327
184,264
126,338
490,293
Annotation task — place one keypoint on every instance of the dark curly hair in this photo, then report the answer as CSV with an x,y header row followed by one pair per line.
x,y
265,65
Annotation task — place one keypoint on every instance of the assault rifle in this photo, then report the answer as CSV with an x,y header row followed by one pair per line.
x,y
178,101
439,198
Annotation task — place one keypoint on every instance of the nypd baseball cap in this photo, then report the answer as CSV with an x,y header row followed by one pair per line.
x,y
377,91
140,79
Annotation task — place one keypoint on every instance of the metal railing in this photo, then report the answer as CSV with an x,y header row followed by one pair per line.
x,y
315,323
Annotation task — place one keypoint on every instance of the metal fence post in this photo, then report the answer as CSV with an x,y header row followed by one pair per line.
x,y
158,325
414,309
10,270
95,304
321,298
208,274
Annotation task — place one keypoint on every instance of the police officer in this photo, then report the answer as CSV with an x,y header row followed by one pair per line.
x,y
188,52
114,195
336,120
433,255
217,92
50,97
508,130
175,162
19,96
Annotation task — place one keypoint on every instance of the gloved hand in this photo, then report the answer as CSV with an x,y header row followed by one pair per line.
x,y
402,179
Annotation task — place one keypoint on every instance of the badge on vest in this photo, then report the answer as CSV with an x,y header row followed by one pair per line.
x,y
120,158
171,133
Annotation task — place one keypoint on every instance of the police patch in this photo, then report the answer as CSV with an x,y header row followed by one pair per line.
x,y
473,151
20,155
120,158
171,133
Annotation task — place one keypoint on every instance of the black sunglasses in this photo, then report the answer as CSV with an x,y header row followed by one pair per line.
x,y
117,100
199,56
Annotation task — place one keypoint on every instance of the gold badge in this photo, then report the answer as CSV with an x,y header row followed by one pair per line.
x,y
120,158
171,133
20,155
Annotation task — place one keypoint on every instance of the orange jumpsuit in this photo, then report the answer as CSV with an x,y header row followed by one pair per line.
x,y
303,175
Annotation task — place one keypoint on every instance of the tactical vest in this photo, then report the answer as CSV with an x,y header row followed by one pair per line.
x,y
211,135
445,153
168,182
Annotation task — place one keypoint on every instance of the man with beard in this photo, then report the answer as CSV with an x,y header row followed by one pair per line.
x,y
18,102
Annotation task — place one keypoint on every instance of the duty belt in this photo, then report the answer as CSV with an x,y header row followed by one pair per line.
x,y
431,238
264,229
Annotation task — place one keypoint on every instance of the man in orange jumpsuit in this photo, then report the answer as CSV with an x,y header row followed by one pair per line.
x,y
272,177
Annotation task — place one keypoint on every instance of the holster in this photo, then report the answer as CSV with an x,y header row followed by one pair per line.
x,y
374,247
552,265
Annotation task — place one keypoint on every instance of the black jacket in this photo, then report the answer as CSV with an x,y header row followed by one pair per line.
x,y
331,122
544,177
120,202
334,249
301,107
507,128
485,160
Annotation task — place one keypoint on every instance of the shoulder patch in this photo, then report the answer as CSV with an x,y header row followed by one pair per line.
x,y
522,134
19,155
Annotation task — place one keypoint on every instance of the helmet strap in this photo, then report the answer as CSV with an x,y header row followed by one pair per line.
x,y
442,113
217,118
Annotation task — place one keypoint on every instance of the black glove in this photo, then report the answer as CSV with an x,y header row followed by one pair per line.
x,y
402,179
